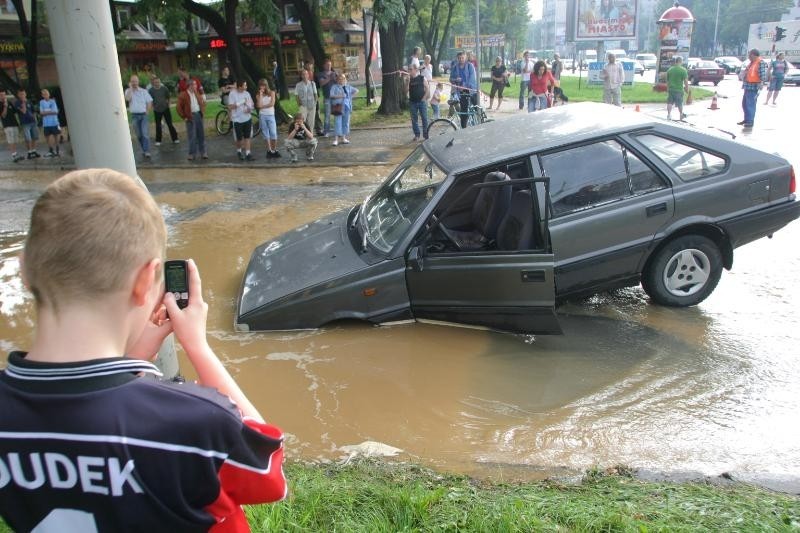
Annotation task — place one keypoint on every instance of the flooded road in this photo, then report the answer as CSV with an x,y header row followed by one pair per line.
x,y
709,389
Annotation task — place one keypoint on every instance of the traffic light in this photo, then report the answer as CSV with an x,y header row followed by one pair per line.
x,y
780,33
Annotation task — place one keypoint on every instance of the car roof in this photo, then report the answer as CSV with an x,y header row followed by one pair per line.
x,y
525,133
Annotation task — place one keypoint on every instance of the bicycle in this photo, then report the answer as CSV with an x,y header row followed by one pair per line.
x,y
223,124
476,114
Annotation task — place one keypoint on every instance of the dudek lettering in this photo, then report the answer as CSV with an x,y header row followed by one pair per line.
x,y
96,475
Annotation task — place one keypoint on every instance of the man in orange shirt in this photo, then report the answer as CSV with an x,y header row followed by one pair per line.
x,y
753,78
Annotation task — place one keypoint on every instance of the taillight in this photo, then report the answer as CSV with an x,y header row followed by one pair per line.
x,y
792,181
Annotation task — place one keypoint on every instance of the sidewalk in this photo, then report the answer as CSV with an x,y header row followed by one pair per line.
x,y
369,146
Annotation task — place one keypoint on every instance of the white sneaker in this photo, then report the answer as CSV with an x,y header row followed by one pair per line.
x,y
158,144
336,143
345,141
176,141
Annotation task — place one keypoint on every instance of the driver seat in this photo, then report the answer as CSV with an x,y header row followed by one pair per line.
x,y
487,211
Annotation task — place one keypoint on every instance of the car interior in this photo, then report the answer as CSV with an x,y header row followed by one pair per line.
x,y
488,210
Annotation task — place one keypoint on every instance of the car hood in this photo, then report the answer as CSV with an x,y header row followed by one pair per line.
x,y
301,258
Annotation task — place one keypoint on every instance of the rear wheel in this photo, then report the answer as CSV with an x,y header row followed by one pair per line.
x,y
694,81
684,272
223,122
441,126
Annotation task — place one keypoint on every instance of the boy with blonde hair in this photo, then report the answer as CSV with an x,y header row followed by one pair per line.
x,y
89,440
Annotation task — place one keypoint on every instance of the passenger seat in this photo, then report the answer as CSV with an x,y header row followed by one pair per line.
x,y
487,211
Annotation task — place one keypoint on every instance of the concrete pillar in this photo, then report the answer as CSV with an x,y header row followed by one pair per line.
x,y
88,70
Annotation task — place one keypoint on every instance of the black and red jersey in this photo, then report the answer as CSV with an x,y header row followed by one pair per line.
x,y
98,446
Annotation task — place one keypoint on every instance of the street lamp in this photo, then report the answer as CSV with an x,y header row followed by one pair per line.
x,y
716,25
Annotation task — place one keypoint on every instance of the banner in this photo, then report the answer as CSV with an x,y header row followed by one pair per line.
x,y
596,67
605,19
468,41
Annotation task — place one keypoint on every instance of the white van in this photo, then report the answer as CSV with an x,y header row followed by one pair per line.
x,y
589,56
619,53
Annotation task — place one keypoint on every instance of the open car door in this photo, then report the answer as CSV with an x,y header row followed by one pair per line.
x,y
507,283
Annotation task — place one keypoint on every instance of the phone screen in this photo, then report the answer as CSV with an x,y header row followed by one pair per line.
x,y
176,279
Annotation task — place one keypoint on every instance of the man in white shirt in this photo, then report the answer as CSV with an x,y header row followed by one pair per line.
x,y
240,104
612,75
307,97
139,103
524,86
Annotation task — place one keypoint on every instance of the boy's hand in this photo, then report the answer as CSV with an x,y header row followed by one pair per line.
x,y
189,324
156,330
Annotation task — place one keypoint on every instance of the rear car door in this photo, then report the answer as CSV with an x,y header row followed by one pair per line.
x,y
510,289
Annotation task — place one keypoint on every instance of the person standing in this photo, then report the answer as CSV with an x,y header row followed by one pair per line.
x,y
318,123
306,94
677,84
265,103
300,136
183,81
557,67
27,121
426,69
542,82
276,75
48,109
140,102
325,80
464,80
240,104
414,61
342,93
10,126
499,80
160,95
226,84
754,77
612,75
436,99
418,94
191,108
776,74
524,85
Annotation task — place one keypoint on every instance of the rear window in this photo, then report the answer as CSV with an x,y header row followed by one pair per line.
x,y
707,64
689,162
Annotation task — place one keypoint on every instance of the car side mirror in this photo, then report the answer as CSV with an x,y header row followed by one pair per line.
x,y
415,259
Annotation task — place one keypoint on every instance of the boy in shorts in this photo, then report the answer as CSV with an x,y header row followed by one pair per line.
x,y
49,111
10,125
89,439
27,121
240,104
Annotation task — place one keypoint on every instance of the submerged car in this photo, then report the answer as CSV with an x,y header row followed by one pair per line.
x,y
481,228
705,71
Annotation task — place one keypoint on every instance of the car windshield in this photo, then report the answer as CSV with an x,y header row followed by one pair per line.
x,y
388,213
707,64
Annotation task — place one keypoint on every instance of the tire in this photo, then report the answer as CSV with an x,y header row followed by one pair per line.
x,y
716,83
256,126
694,81
440,126
684,272
223,122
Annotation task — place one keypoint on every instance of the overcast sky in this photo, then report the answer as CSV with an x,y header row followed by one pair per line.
x,y
535,9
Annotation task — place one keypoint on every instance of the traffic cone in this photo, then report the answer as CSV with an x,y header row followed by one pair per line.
x,y
637,108
714,105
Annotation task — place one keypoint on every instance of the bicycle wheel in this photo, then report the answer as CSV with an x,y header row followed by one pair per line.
x,y
223,122
256,125
441,126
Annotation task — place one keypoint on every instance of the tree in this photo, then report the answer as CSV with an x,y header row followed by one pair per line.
x,y
29,31
433,19
392,18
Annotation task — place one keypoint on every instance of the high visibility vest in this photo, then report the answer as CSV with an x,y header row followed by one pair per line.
x,y
752,72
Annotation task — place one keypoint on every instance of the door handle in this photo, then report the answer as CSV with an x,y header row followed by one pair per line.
x,y
533,276
653,210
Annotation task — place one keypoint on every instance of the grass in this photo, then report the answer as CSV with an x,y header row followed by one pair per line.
x,y
638,93
375,496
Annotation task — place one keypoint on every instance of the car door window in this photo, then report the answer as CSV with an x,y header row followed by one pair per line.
x,y
643,178
688,162
586,176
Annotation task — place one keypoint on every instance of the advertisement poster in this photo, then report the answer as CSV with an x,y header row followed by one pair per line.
x,y
605,19
674,40
596,67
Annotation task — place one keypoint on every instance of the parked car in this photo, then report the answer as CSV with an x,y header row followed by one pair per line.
x,y
580,199
648,61
637,67
731,64
704,70
792,75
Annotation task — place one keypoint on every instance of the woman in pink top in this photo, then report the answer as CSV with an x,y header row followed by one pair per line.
x,y
542,82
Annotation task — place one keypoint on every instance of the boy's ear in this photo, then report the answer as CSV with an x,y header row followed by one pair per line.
x,y
143,281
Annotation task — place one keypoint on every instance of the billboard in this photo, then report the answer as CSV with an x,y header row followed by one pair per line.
x,y
769,38
598,20
468,41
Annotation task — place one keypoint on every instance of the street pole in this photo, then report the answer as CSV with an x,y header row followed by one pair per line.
x,y
478,40
88,71
716,25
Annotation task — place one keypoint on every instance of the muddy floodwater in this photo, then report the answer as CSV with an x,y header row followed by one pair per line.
x,y
708,389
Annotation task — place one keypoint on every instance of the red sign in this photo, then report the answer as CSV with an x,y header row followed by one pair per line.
x,y
288,41
218,43
256,41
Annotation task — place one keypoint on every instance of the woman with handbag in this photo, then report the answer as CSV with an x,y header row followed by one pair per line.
x,y
341,108
499,81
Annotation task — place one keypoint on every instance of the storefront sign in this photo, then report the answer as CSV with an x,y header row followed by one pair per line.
x,y
606,19
256,41
217,43
468,41
290,39
11,47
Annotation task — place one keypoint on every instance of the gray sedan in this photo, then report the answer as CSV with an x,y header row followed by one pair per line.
x,y
492,226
